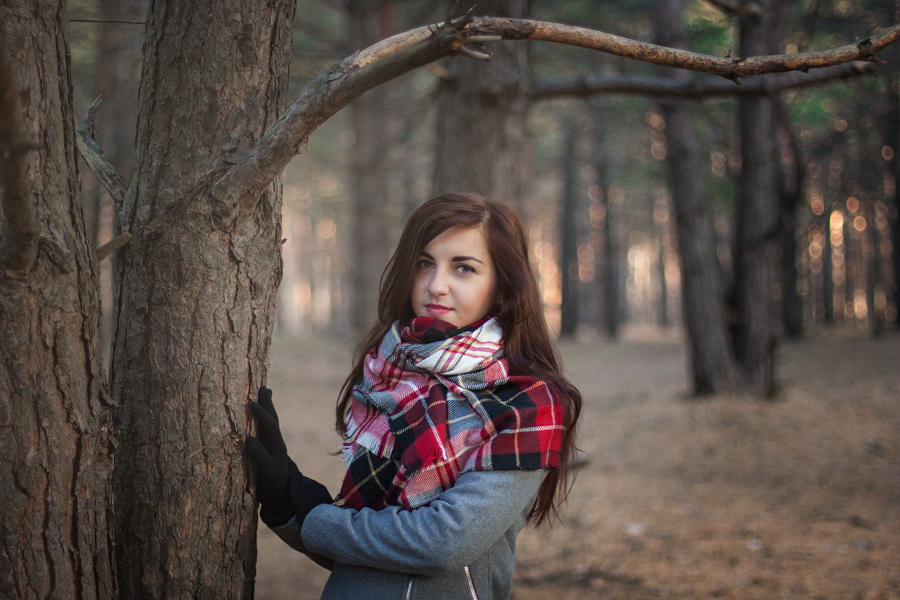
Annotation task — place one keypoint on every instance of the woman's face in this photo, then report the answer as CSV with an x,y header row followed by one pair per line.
x,y
454,278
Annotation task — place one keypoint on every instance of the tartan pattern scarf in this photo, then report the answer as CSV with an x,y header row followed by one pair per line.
x,y
436,401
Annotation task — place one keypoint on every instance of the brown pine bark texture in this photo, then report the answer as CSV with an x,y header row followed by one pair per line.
x,y
196,297
55,414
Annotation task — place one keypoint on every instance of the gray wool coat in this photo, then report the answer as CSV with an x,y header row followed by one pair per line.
x,y
460,546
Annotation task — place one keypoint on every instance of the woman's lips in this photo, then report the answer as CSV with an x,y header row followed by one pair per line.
x,y
437,309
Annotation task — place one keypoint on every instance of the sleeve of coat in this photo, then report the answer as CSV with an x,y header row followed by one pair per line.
x,y
464,522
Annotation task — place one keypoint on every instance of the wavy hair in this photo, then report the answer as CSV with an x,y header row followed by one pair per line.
x,y
518,309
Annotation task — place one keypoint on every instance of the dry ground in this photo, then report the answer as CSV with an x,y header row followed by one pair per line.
x,y
725,497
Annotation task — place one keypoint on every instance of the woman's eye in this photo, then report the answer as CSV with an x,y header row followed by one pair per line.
x,y
424,264
465,269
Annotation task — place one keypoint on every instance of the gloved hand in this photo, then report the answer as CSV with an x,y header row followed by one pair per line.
x,y
283,491
269,453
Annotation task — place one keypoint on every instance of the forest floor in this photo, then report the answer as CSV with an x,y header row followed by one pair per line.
x,y
723,497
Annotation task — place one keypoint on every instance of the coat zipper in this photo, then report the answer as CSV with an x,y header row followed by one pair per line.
x,y
471,583
408,595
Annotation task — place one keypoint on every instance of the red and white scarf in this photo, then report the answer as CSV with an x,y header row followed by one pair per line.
x,y
436,401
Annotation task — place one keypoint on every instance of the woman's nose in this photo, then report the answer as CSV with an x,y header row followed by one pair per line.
x,y
437,285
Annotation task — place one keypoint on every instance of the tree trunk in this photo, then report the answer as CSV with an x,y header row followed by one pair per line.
x,y
568,237
661,274
195,300
790,199
117,80
55,413
874,272
827,269
892,139
850,269
712,363
757,225
481,144
791,301
607,271
369,22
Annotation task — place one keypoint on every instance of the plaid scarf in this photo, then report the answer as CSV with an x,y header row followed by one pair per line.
x,y
435,402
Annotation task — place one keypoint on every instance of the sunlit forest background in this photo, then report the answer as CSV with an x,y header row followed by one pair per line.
x,y
625,266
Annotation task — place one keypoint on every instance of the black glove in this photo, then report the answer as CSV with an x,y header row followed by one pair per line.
x,y
305,493
283,491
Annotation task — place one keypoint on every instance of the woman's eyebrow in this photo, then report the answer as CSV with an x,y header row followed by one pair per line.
x,y
454,259
464,258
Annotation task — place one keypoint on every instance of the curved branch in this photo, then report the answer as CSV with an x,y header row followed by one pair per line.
x,y
19,241
240,187
237,191
693,89
731,68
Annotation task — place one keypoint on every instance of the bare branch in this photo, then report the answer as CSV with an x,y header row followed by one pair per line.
x,y
112,245
19,241
520,29
473,53
94,157
239,188
694,89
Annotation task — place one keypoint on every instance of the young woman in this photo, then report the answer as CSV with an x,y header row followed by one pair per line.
x,y
458,424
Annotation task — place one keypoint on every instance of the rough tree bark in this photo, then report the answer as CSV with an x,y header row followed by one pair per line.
x,y
480,144
713,367
55,412
196,295
370,21
753,332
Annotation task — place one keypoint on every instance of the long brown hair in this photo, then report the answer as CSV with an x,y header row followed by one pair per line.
x,y
518,310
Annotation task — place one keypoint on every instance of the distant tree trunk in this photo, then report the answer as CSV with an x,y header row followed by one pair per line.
x,y
892,139
790,198
827,269
661,274
875,273
55,413
480,145
791,301
568,236
607,272
849,268
757,222
196,300
369,22
712,362
117,79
